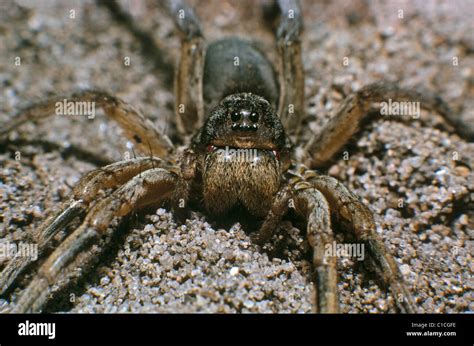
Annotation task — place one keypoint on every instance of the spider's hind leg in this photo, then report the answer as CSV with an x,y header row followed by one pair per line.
x,y
291,103
138,129
189,105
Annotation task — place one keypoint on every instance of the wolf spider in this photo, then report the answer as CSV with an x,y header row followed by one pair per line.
x,y
240,103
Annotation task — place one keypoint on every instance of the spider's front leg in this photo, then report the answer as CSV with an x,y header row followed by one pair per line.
x,y
151,187
82,196
311,205
291,102
314,197
140,130
189,105
354,215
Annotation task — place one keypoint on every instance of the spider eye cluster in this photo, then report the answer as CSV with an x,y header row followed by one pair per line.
x,y
244,120
235,116
254,117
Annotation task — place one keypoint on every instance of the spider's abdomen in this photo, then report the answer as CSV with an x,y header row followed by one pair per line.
x,y
233,66
246,178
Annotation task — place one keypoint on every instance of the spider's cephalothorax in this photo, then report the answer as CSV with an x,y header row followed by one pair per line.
x,y
239,157
244,152
242,147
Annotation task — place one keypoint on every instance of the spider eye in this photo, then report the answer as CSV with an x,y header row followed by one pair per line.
x,y
235,116
254,117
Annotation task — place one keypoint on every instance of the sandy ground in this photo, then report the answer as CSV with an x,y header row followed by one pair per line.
x,y
156,265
